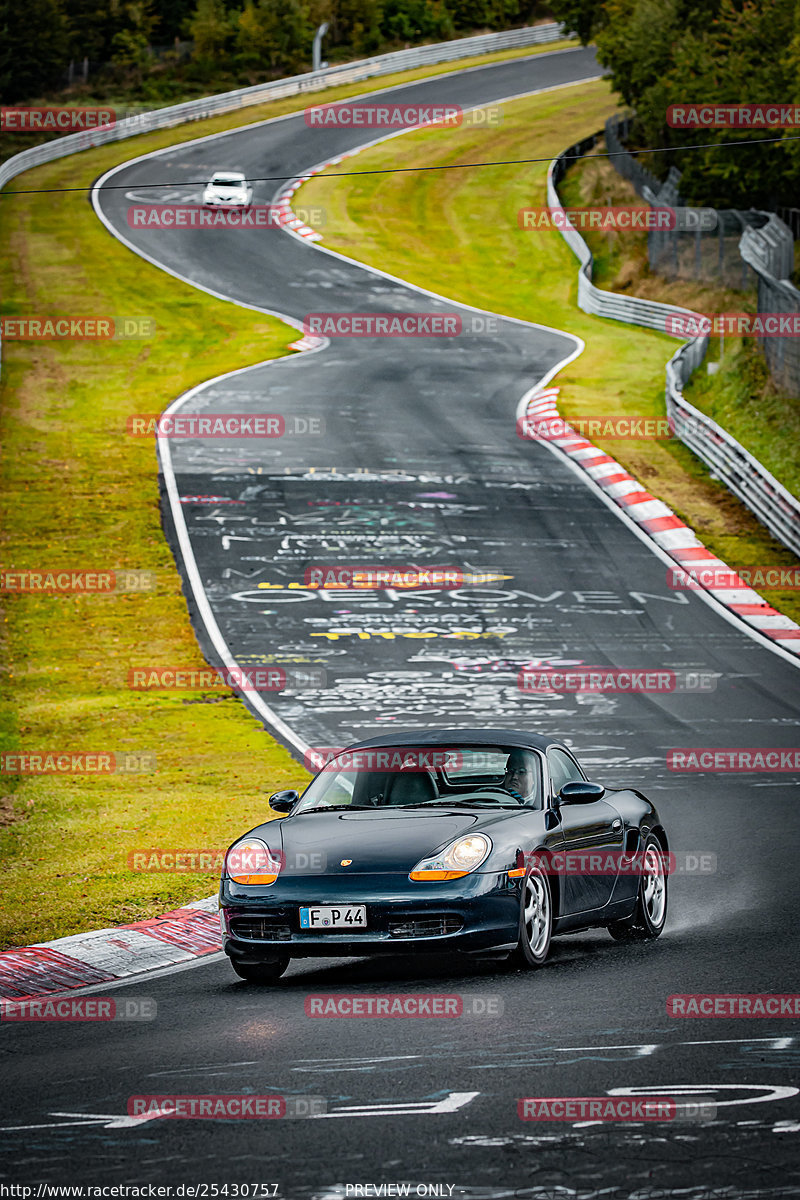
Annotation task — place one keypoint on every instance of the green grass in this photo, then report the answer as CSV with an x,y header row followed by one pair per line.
x,y
456,232
75,491
13,143
78,492
742,396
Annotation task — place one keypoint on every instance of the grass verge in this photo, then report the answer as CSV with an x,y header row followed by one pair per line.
x,y
741,396
456,232
77,493
13,143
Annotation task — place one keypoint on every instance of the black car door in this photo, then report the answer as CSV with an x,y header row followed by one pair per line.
x,y
594,828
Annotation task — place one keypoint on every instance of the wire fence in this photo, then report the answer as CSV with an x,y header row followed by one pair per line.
x,y
706,255
747,251
617,131
770,253
770,246
709,255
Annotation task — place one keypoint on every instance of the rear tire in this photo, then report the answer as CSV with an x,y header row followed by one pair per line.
x,y
535,920
648,918
263,972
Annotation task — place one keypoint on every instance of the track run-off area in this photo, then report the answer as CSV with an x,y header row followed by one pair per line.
x,y
420,464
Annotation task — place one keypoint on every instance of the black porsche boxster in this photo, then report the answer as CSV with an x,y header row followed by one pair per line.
x,y
484,841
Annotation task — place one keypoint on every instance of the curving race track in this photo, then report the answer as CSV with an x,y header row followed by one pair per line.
x,y
420,464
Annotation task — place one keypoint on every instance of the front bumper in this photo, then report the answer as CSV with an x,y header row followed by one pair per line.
x,y
476,914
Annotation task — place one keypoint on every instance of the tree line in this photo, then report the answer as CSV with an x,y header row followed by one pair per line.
x,y
142,44
688,52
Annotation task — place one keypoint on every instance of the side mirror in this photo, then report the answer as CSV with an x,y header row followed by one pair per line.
x,y
578,791
283,802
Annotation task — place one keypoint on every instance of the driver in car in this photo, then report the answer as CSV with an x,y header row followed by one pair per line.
x,y
520,777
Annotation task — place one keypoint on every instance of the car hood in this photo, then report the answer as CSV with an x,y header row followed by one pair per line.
x,y
385,841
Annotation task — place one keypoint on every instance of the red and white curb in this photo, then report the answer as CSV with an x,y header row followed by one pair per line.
x,y
105,955
290,220
283,201
659,522
309,341
288,217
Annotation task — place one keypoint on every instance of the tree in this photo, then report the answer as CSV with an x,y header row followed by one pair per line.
x,y
665,52
211,30
275,35
583,17
415,20
34,51
130,45
357,23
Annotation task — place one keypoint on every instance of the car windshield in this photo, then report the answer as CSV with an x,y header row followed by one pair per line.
x,y
234,181
418,777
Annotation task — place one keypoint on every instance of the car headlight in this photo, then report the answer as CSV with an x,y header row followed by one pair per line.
x,y
252,862
457,859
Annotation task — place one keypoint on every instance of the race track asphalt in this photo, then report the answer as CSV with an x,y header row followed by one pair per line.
x,y
420,464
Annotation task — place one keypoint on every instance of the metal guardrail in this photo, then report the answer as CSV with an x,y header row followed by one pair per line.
x,y
769,249
312,81
743,474
650,313
770,253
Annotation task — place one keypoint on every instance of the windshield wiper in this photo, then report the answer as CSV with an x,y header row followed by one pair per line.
x,y
452,803
336,808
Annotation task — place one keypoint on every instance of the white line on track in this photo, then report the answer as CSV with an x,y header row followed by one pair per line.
x,y
267,714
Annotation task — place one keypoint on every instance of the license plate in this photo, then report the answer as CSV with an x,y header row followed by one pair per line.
x,y
344,917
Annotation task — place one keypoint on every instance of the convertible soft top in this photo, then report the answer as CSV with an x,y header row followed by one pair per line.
x,y
448,737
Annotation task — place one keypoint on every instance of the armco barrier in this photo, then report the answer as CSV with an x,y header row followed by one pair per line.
x,y
312,81
744,475
650,313
767,499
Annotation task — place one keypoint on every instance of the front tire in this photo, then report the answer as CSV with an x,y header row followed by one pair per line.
x,y
263,972
535,920
649,916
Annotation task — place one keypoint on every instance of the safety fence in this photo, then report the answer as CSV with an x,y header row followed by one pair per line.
x,y
700,253
312,81
771,503
650,313
770,253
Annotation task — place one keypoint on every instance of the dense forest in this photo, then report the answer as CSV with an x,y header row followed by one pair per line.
x,y
673,52
157,49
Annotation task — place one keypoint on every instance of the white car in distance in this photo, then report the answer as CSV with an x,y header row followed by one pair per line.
x,y
227,189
